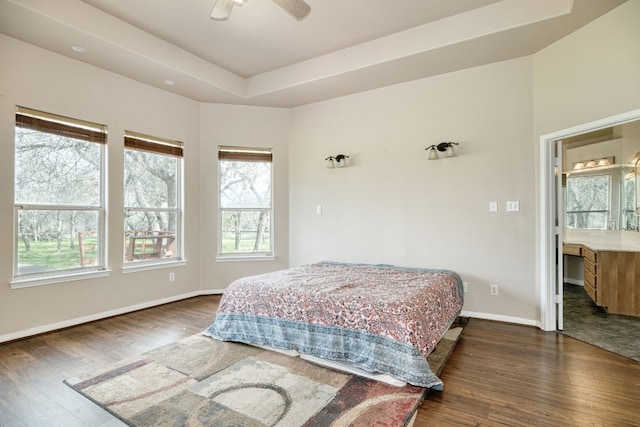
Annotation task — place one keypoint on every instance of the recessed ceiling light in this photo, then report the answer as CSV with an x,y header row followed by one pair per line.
x,y
169,82
78,48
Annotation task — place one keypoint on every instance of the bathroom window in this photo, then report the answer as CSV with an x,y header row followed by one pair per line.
x,y
588,202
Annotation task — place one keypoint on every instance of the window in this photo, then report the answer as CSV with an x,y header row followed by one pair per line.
x,y
588,201
59,195
245,215
152,199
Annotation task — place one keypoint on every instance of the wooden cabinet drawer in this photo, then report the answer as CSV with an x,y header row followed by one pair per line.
x,y
570,249
590,274
591,291
590,255
590,266
590,278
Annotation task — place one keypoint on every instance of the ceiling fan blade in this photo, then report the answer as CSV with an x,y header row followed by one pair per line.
x,y
222,9
297,8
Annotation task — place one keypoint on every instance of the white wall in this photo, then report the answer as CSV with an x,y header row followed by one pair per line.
x,y
591,74
245,127
35,78
394,206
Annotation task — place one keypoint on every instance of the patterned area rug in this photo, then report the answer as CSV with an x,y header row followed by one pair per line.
x,y
200,381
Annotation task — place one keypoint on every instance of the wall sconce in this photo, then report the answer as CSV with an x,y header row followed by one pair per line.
x,y
445,147
339,161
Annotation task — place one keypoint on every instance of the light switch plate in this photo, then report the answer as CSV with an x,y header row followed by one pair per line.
x,y
513,206
493,206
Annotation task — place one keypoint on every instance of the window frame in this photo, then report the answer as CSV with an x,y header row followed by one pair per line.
x,y
628,210
251,154
160,146
77,129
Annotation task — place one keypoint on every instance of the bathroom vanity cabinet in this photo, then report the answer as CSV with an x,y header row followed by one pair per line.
x,y
611,277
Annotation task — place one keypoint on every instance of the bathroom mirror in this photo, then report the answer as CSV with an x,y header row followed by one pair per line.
x,y
599,180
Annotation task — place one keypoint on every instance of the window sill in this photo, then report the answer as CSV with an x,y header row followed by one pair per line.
x,y
241,258
49,280
245,257
140,266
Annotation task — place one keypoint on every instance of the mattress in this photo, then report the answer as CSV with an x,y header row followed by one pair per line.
x,y
381,319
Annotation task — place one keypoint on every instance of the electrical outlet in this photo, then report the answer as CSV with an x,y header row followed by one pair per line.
x,y
465,287
493,289
172,276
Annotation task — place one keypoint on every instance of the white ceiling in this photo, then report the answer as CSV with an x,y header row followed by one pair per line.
x,y
262,56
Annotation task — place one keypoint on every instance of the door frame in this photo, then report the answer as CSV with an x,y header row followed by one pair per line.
x,y
549,209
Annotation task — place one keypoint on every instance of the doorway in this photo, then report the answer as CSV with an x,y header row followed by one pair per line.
x,y
551,216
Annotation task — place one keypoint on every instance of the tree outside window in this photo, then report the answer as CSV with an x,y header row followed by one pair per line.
x,y
245,215
152,194
59,193
588,201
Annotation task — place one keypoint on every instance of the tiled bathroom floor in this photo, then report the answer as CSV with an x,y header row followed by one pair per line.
x,y
587,322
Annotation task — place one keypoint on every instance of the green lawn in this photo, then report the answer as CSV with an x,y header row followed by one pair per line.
x,y
247,242
45,253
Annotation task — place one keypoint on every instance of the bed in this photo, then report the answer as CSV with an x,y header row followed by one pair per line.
x,y
378,319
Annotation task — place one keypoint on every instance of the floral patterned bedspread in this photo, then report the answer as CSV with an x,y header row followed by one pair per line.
x,y
380,318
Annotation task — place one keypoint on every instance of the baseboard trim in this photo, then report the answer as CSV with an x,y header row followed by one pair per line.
x,y
573,281
499,318
103,315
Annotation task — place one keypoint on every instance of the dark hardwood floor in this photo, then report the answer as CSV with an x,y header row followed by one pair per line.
x,y
32,370
508,375
498,375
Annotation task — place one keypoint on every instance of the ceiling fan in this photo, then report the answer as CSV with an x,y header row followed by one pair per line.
x,y
297,8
